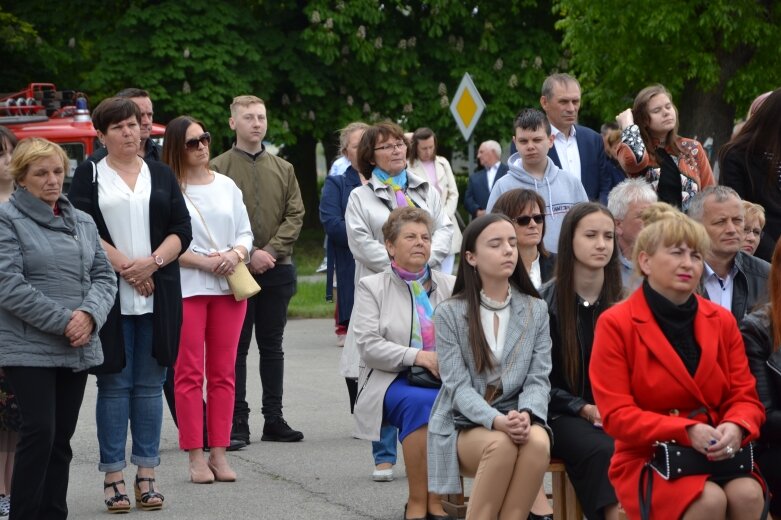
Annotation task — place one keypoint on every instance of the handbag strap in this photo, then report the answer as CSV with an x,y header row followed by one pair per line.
x,y
647,475
211,239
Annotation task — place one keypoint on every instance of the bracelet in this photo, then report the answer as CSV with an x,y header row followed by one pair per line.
x,y
239,253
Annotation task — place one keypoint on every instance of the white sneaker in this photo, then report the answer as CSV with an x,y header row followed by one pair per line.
x,y
5,505
383,475
323,267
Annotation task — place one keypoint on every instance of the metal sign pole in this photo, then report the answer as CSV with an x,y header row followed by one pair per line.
x,y
471,155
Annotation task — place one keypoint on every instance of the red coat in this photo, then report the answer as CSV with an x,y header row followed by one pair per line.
x,y
645,394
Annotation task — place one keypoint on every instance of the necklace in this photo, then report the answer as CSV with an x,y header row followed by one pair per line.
x,y
136,167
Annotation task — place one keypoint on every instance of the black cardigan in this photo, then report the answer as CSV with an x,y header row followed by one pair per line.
x,y
168,215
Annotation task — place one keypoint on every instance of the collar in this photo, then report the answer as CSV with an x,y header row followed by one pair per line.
x,y
42,213
250,156
556,132
730,275
625,261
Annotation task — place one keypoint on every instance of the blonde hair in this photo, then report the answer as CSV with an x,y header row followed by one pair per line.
x,y
751,211
244,101
30,150
665,226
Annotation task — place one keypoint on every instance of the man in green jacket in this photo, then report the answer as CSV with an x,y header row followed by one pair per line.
x,y
276,212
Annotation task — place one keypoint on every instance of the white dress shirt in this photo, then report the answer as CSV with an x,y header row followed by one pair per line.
x,y
126,213
535,273
496,339
567,150
720,289
490,175
222,206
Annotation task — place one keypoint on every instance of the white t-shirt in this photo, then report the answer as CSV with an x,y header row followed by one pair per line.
x,y
126,213
222,206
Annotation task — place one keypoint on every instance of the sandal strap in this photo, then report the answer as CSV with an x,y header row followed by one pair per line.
x,y
146,496
107,485
118,497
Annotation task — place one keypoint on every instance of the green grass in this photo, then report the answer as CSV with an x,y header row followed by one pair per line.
x,y
308,251
309,302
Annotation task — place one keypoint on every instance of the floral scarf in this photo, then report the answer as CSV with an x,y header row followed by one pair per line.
x,y
422,336
398,184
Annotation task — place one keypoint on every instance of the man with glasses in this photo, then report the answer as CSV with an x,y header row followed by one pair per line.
x,y
276,212
531,168
148,150
733,279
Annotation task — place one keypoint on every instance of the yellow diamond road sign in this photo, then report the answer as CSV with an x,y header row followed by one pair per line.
x,y
467,106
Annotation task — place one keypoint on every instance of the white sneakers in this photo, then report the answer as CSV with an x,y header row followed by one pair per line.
x,y
382,475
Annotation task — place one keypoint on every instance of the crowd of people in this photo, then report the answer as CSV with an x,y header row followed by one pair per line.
x,y
609,298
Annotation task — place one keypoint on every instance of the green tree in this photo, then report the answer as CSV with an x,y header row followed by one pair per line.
x,y
715,56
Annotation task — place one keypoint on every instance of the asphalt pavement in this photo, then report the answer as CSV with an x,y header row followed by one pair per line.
x,y
325,476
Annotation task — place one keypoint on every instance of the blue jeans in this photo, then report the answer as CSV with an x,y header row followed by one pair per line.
x,y
135,395
384,450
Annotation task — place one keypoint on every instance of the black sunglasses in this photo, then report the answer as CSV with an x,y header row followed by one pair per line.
x,y
192,144
525,220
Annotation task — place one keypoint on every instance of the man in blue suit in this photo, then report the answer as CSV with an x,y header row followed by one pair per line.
x,y
576,149
478,188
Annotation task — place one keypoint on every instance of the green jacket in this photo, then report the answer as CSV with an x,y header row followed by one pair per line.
x,y
272,198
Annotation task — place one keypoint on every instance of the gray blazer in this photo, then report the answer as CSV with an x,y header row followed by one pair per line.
x,y
49,267
525,365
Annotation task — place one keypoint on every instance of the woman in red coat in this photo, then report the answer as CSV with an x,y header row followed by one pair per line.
x,y
668,365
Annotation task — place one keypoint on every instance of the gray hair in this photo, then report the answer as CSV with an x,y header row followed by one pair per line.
x,y
629,192
697,204
557,79
347,131
493,145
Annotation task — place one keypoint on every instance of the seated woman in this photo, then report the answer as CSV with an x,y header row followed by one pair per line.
x,y
582,290
677,167
525,209
392,329
753,224
669,365
762,336
488,421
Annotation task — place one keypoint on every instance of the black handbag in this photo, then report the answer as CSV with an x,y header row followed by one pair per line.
x,y
421,376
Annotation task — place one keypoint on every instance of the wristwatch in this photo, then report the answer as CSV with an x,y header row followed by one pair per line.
x,y
158,260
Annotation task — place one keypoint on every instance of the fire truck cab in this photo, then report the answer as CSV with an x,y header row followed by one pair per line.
x,y
61,116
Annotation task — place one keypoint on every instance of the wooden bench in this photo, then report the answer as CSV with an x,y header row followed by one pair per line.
x,y
565,503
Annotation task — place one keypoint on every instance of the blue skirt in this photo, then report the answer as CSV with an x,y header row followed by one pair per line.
x,y
407,407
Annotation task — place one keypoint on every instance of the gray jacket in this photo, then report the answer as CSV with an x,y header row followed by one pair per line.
x,y
368,209
525,365
49,267
749,288
380,327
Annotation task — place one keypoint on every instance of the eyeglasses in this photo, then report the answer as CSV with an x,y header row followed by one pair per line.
x,y
757,232
391,147
204,139
525,220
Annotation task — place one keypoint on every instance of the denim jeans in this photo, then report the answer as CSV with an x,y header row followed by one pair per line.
x,y
384,450
134,395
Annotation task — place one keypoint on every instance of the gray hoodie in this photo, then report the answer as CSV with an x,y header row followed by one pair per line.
x,y
559,189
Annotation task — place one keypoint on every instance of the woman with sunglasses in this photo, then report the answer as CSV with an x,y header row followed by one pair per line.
x,y
144,226
212,318
583,289
524,207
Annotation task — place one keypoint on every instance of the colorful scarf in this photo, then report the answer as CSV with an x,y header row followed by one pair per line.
x,y
398,184
422,336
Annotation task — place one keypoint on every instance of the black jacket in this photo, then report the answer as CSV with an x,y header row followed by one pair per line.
x,y
547,267
152,152
766,367
749,288
168,215
564,400
749,178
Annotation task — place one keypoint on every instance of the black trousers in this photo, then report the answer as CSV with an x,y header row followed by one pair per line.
x,y
586,452
267,313
768,459
49,400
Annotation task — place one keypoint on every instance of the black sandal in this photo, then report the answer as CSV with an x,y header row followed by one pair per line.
x,y
112,504
143,499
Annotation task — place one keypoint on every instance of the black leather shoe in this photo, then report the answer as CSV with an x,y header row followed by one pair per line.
x,y
236,445
405,515
239,434
276,429
431,516
533,516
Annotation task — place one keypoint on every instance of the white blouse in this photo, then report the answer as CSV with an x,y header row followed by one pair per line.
x,y
222,205
496,339
126,213
535,273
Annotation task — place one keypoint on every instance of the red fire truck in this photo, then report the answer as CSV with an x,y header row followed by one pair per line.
x,y
61,116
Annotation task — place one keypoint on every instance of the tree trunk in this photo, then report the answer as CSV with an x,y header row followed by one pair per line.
x,y
706,115
302,156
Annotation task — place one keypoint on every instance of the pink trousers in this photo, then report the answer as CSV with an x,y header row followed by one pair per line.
x,y
211,326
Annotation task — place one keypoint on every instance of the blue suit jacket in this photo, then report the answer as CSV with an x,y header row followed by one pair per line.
x,y
597,175
478,191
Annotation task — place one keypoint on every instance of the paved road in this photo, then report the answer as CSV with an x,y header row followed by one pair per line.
x,y
326,476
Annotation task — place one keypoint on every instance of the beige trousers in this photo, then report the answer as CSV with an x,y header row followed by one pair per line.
x,y
506,476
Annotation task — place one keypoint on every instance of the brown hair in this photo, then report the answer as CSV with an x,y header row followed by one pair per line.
x,y
400,216
513,202
373,135
421,134
173,144
566,297
468,285
642,118
113,110
7,138
775,295
32,149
